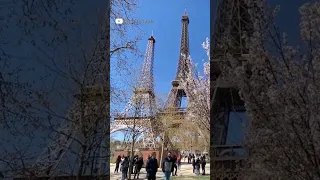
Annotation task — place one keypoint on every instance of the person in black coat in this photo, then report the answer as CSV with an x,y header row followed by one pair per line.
x,y
197,166
135,157
203,165
174,165
117,164
125,166
138,166
152,167
193,164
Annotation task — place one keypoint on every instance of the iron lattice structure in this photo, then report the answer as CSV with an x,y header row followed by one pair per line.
x,y
231,24
80,147
178,91
141,109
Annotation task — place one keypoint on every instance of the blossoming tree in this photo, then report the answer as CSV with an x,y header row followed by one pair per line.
x,y
197,86
280,86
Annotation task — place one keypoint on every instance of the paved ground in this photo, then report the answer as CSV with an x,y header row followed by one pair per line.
x,y
184,173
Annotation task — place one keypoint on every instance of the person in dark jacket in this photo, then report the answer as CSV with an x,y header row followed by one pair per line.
x,y
138,166
203,164
125,167
117,164
135,158
152,167
193,164
167,166
174,165
122,159
197,166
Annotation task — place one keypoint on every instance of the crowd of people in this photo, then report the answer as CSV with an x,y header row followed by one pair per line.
x,y
124,163
169,166
197,161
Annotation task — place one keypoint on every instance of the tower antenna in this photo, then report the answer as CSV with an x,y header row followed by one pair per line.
x,y
185,11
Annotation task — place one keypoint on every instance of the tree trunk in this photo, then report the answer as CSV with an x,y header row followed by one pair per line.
x,y
161,155
132,149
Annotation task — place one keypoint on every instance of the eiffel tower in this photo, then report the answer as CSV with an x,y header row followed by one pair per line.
x,y
178,92
140,111
232,21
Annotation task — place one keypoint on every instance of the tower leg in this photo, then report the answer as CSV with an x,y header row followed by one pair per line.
x,y
148,140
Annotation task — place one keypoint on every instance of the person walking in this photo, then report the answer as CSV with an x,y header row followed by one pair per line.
x,y
138,166
193,164
135,158
152,167
197,166
167,166
203,164
118,160
122,159
174,165
179,161
125,167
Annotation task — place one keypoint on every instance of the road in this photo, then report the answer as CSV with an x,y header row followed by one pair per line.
x,y
184,173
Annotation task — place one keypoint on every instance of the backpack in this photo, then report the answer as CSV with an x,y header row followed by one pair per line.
x,y
125,164
168,166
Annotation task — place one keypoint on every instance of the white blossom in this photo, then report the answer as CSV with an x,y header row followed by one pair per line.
x,y
197,88
282,96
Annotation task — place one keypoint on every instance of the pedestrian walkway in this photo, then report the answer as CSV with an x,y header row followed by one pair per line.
x,y
185,173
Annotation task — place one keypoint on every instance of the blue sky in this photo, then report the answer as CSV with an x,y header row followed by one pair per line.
x,y
166,26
